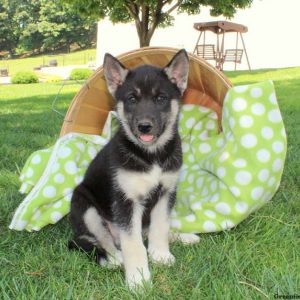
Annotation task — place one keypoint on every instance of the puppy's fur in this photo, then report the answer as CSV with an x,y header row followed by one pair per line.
x,y
131,184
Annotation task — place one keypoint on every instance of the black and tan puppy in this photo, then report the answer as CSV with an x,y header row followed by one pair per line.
x,y
131,184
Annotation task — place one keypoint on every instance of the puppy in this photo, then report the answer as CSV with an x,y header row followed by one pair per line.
x,y
130,186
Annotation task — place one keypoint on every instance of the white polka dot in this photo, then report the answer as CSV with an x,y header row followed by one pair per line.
x,y
241,207
203,109
56,216
57,204
37,214
240,88
49,191
274,116
221,172
191,158
188,107
204,148
190,218
70,167
243,177
64,152
231,122
67,191
209,226
20,224
176,224
239,104
263,175
263,155
209,213
248,140
257,193
92,152
246,121
80,146
213,186
36,159
256,92
197,206
190,123
213,116
277,147
203,135
240,163
195,167
271,181
59,178
78,179
223,208
258,109
272,98
204,191
199,182
235,191
210,125
225,155
198,126
29,172
191,178
277,165
56,167
185,147
227,224
220,142
267,132
214,198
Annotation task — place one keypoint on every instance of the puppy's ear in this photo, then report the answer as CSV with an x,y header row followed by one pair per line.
x,y
114,72
178,70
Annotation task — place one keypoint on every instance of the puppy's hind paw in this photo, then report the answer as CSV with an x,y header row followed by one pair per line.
x,y
185,238
162,257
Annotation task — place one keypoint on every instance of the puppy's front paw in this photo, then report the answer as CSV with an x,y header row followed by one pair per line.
x,y
137,279
112,261
162,257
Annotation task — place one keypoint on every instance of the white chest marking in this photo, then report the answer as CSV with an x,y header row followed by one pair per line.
x,y
138,184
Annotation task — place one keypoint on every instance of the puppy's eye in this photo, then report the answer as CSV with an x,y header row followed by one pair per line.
x,y
160,99
132,99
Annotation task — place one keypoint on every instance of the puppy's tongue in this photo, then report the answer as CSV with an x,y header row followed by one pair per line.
x,y
146,137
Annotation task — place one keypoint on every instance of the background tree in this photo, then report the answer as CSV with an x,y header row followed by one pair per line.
x,y
43,25
9,25
149,14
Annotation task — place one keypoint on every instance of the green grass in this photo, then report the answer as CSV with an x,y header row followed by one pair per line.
x,y
27,64
257,259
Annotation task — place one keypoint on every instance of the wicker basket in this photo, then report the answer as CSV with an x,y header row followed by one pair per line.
x,y
89,109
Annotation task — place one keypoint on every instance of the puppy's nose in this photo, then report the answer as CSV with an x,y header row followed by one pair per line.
x,y
145,126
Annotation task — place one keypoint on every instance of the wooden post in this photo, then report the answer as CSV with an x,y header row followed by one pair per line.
x,y
197,42
236,47
245,51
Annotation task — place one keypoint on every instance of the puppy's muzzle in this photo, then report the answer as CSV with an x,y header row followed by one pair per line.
x,y
145,127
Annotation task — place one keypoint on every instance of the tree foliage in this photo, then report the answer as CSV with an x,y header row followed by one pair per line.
x,y
42,25
149,14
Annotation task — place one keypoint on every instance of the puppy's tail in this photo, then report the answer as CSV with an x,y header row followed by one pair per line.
x,y
84,244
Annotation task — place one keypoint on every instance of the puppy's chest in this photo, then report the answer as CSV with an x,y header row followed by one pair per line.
x,y
137,185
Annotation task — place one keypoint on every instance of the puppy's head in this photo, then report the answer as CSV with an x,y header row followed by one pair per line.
x,y
148,98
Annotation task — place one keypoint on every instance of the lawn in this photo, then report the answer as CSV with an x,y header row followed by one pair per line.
x,y
256,260
27,64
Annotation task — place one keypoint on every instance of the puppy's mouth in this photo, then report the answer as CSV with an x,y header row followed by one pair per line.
x,y
147,138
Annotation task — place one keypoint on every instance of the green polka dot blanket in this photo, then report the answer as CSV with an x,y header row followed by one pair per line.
x,y
225,176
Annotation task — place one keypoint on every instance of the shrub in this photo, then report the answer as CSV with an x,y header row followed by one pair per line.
x,y
80,74
25,77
